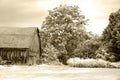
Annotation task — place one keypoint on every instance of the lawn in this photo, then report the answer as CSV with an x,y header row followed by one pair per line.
x,y
53,72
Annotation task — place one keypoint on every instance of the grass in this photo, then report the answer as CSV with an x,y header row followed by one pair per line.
x,y
56,72
91,63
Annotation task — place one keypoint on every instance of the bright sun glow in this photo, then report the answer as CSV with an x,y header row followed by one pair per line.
x,y
97,26
92,11
89,8
47,4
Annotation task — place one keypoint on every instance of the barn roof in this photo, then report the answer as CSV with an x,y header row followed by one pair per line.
x,y
13,37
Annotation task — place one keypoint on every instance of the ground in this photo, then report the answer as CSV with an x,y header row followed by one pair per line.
x,y
52,72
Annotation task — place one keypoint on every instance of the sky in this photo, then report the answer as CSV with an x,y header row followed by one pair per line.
x,y
31,13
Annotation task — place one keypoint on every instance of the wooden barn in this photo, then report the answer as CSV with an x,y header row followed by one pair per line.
x,y
20,45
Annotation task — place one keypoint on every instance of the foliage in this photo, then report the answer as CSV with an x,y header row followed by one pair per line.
x,y
61,55
104,53
112,33
49,54
91,63
45,38
65,28
111,37
87,48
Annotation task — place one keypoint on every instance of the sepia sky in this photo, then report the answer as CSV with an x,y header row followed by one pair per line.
x,y
30,13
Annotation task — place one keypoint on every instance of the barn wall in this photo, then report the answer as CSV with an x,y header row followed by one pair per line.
x,y
35,48
15,56
28,56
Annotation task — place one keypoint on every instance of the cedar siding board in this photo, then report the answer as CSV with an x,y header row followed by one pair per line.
x,y
20,45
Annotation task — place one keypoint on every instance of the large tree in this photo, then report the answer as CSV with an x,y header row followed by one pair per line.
x,y
111,35
66,28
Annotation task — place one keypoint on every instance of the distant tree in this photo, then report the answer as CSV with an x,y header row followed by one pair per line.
x,y
65,27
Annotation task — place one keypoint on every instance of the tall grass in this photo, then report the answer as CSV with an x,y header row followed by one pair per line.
x,y
90,63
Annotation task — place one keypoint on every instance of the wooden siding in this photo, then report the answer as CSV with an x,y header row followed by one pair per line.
x,y
18,56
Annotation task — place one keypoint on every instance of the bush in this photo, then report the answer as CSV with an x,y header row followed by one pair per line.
x,y
90,63
49,54
104,53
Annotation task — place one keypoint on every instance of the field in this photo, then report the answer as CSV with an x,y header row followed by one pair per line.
x,y
52,72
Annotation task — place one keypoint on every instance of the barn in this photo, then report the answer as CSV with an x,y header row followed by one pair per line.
x,y
20,45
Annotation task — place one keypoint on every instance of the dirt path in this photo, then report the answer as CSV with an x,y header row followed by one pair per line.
x,y
45,72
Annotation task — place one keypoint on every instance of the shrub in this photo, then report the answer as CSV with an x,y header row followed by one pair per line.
x,y
104,53
91,63
49,54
